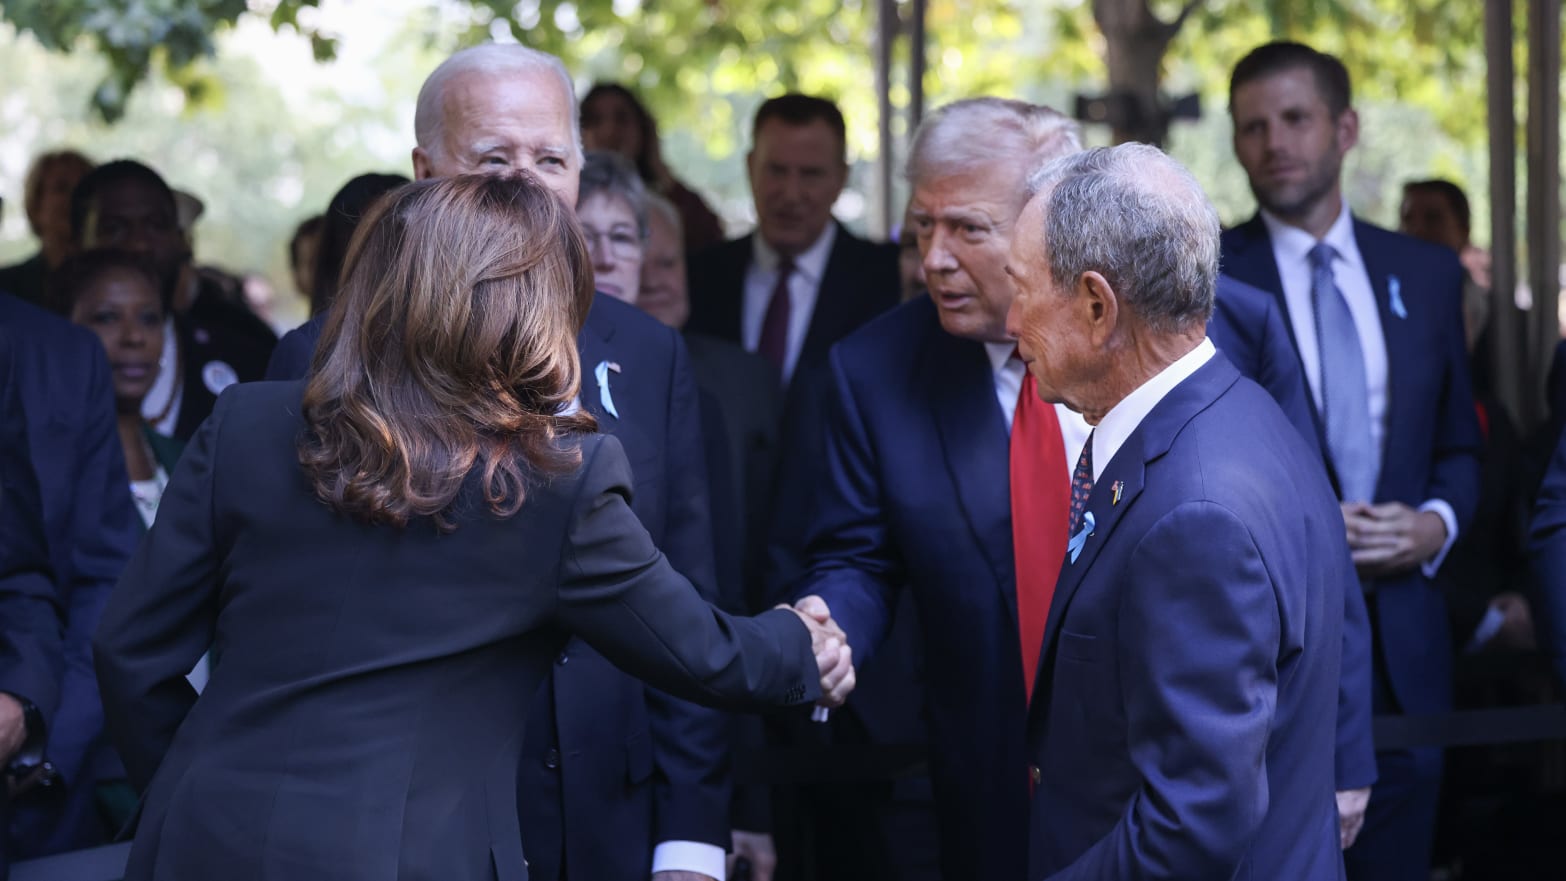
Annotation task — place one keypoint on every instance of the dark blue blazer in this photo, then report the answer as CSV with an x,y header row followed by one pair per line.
x,y
1547,552
633,767
1249,328
31,651
1432,438
92,527
1184,722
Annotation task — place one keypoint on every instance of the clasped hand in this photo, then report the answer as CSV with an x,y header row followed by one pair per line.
x,y
833,656
1390,538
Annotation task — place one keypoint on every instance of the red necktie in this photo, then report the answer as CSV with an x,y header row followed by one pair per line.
x,y
1040,509
773,344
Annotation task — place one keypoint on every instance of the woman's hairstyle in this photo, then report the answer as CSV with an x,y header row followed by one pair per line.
x,y
79,271
609,174
644,121
342,217
450,352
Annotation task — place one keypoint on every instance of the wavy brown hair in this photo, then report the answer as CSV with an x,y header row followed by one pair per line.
x,y
450,351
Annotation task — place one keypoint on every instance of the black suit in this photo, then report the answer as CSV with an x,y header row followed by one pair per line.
x,y
860,282
614,767
219,341
384,741
31,650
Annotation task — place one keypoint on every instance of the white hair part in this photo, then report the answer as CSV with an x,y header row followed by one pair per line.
x,y
977,132
491,59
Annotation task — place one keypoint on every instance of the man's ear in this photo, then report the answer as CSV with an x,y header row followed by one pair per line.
x,y
423,169
1099,305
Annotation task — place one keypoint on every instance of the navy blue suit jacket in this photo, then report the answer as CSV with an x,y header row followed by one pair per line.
x,y
1249,328
1432,437
92,528
634,766
1183,725
31,652
1547,551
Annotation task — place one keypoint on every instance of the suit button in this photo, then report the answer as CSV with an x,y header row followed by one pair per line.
x,y
552,759
1035,774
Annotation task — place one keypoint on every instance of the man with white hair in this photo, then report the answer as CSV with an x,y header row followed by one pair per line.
x,y
618,780
1183,724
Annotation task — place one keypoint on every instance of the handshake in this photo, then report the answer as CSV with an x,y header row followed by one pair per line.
x,y
833,656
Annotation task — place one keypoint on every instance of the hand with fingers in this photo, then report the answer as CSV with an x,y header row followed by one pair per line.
x,y
833,654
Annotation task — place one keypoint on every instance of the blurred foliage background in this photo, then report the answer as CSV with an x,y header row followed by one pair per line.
x,y
263,108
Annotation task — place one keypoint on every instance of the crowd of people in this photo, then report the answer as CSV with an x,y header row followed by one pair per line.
x,y
1134,548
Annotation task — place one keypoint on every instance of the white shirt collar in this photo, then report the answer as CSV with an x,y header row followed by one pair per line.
x,y
810,264
1122,419
1292,243
1000,355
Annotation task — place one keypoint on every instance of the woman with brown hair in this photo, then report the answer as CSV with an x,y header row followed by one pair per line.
x,y
387,560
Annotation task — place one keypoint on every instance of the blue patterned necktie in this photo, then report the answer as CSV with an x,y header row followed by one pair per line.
x,y
1345,395
1081,485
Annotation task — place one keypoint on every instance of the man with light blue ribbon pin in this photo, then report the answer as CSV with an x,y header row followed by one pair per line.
x,y
1376,319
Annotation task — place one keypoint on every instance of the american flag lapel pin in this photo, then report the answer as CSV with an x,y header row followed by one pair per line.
x,y
1118,487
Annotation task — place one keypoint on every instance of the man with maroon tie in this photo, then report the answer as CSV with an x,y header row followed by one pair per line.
x,y
801,281
944,472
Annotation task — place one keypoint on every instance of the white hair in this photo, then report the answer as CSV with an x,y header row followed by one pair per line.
x,y
657,204
1137,217
976,132
492,59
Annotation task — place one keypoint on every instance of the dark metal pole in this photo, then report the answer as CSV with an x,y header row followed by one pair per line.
x,y
916,66
886,34
1544,186
1509,355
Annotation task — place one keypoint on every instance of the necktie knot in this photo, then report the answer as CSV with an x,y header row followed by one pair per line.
x,y
1322,255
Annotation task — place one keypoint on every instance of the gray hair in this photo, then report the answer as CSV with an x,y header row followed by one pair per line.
x,y
657,204
975,132
492,59
1138,218
610,174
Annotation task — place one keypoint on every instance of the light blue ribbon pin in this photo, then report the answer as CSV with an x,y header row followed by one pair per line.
x,y
601,373
1074,546
1395,296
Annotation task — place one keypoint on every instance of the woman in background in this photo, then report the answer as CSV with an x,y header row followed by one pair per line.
x,y
611,206
614,120
390,556
348,207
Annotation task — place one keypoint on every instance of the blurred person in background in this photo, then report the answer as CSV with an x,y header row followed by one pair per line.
x,y
210,342
302,251
611,206
614,120
342,217
47,199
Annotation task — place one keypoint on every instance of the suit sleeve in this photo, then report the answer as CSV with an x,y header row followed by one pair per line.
x,y
1354,760
1199,634
1547,555
30,616
850,558
691,744
621,595
1454,475
163,616
291,357
104,532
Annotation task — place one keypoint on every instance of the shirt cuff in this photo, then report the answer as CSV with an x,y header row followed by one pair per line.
x,y
1449,517
690,856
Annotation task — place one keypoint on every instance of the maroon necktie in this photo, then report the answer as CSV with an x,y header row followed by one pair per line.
x,y
1040,508
773,344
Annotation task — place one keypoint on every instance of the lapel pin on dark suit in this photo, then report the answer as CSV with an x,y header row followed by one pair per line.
x,y
1117,489
601,373
1395,296
1074,547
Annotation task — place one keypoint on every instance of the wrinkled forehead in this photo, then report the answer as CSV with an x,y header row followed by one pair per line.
x,y
475,103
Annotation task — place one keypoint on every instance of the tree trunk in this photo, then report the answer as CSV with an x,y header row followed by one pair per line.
x,y
1135,41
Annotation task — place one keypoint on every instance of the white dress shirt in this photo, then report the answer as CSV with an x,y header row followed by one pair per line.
x,y
1291,253
1008,389
1123,418
167,391
804,285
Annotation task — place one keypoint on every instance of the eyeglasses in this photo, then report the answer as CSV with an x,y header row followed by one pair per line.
x,y
623,241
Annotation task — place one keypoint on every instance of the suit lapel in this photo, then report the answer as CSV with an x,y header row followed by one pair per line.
x,y
973,437
1251,260
1150,441
834,298
592,345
